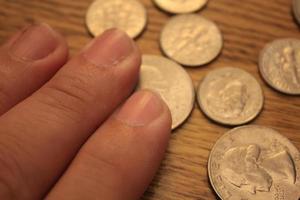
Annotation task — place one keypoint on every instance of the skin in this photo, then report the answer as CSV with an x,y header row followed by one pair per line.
x,y
73,128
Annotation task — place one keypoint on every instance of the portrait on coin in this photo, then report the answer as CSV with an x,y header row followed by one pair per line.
x,y
228,98
247,168
288,65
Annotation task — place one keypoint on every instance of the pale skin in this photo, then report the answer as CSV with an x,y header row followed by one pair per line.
x,y
72,128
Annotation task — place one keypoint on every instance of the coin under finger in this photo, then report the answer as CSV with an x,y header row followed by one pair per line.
x,y
255,162
180,6
129,16
191,40
279,65
172,82
230,96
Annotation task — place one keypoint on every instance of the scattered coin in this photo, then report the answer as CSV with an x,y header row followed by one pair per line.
x,y
254,162
296,9
172,82
230,96
279,64
191,40
129,15
180,6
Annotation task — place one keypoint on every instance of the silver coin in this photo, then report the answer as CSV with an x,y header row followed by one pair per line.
x,y
296,9
279,65
191,40
129,16
230,96
254,162
180,6
172,82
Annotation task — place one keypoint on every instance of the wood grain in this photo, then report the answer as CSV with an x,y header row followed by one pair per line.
x,y
246,25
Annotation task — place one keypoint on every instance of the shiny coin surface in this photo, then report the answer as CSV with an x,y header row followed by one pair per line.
x,y
255,162
180,6
129,16
230,96
296,9
172,82
191,40
279,64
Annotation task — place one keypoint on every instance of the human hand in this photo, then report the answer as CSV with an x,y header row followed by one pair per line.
x,y
64,135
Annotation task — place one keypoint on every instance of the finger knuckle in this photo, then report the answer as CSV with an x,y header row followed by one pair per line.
x,y
105,165
70,94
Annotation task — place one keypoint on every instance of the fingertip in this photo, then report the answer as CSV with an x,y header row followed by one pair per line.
x,y
33,42
140,109
36,51
61,49
126,152
54,55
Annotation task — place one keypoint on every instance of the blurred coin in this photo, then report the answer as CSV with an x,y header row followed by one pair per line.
x,y
255,162
191,40
279,64
180,6
296,9
230,96
172,82
129,16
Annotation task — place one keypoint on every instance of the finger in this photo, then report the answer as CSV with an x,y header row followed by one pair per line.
x,y
28,60
40,136
121,158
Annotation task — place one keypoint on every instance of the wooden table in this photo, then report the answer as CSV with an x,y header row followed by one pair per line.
x,y
247,25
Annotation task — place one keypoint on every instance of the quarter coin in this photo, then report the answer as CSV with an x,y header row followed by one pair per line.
x,y
129,16
279,65
180,6
230,96
191,40
255,162
173,84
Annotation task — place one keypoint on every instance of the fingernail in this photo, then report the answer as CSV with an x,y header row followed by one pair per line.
x,y
109,49
141,109
36,42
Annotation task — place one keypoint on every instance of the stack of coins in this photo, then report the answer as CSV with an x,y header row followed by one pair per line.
x,y
248,162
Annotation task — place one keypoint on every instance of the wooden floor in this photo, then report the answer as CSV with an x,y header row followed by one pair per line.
x,y
247,25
